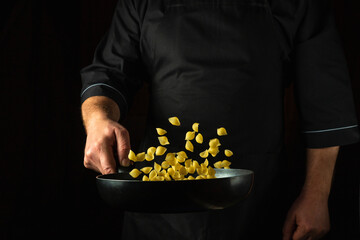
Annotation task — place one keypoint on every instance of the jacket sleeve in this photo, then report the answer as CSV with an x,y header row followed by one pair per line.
x,y
117,70
322,83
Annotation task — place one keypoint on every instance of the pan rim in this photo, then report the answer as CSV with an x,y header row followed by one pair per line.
x,y
102,177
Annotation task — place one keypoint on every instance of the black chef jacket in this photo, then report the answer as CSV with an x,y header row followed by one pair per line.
x,y
226,63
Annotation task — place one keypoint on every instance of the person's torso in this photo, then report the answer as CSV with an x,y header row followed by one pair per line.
x,y
218,63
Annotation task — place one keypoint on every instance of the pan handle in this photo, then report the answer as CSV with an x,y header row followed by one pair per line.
x,y
121,169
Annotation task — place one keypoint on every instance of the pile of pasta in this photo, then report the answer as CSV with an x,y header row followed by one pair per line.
x,y
177,165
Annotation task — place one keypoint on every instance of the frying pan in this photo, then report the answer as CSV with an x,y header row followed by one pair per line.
x,y
120,190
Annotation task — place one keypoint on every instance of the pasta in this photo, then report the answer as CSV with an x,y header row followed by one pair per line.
x,y
199,138
140,156
161,131
189,146
146,170
228,153
190,135
221,131
132,156
160,151
135,173
174,121
163,140
177,165
195,127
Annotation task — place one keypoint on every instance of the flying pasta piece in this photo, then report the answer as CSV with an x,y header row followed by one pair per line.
x,y
165,165
163,140
176,165
183,170
160,150
214,143
183,154
217,164
149,157
162,173
196,164
180,159
195,127
206,162
189,146
225,163
161,131
211,172
135,173
132,156
191,169
146,170
228,153
157,167
167,177
188,163
152,174
213,151
140,157
221,131
190,135
199,138
204,154
171,171
151,150
174,121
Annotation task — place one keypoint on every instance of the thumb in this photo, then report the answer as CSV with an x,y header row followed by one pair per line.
x,y
289,226
123,146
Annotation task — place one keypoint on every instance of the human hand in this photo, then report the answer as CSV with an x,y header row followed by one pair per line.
x,y
308,218
104,137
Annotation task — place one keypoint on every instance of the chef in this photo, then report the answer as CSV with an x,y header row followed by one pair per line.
x,y
225,63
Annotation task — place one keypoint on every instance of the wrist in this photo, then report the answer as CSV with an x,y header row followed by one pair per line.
x,y
94,118
315,193
99,109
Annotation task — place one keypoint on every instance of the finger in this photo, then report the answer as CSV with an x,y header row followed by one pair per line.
x,y
301,234
90,159
107,160
123,146
88,164
289,227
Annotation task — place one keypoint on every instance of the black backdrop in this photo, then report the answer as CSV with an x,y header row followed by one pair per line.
x,y
45,191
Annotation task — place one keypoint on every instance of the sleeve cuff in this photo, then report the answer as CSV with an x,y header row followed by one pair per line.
x,y
101,89
332,137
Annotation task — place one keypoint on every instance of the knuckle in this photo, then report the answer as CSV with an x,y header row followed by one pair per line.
x,y
307,228
124,133
107,170
87,164
124,148
97,145
88,155
91,152
108,130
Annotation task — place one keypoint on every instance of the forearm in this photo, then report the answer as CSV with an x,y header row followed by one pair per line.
x,y
320,166
99,107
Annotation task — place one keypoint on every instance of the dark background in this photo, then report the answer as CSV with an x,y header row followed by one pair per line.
x,y
45,191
